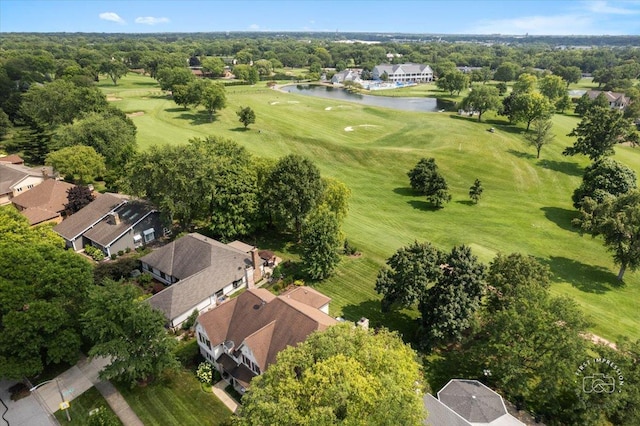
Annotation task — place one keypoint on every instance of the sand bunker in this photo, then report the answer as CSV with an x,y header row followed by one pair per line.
x,y
293,102
274,103
113,98
352,128
135,114
337,106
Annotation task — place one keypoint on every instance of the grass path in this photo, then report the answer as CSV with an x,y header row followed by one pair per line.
x,y
526,205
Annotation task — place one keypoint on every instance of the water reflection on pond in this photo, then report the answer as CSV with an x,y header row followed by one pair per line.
x,y
405,104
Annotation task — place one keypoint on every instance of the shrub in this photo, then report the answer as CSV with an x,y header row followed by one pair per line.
x,y
120,269
102,417
188,353
127,250
189,322
349,250
120,252
205,373
114,256
95,253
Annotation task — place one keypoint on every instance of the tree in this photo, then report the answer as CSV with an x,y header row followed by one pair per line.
x,y
174,178
520,347
563,103
320,239
77,198
129,332
530,106
604,178
454,82
541,134
336,197
170,77
571,74
482,99
213,97
618,221
341,376
43,288
502,88
426,179
80,163
526,83
114,69
408,274
553,87
513,277
102,416
475,192
583,104
598,132
506,72
449,306
110,133
294,189
246,116
213,65
5,123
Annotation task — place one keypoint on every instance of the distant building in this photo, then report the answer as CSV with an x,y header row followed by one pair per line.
x,y
404,73
347,75
616,100
15,178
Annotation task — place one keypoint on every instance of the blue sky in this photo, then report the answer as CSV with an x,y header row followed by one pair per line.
x,y
546,17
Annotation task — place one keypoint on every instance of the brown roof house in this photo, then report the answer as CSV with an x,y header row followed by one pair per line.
x,y
111,222
242,336
44,203
17,178
467,403
199,273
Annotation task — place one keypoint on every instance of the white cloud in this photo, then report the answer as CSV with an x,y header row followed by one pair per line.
x,y
150,20
538,25
111,16
605,8
254,27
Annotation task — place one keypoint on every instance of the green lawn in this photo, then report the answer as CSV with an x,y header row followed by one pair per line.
x,y
81,407
526,205
179,400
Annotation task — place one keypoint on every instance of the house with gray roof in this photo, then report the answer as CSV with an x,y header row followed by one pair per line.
x,y
347,75
404,73
615,100
243,336
15,179
111,222
199,272
467,403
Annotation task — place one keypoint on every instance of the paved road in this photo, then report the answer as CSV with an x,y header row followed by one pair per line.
x,y
218,390
24,412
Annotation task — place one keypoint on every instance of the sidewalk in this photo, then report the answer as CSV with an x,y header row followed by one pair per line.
x,y
79,378
218,390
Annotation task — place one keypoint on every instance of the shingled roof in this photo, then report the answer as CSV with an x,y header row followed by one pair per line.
x,y
44,201
108,230
265,323
203,267
73,226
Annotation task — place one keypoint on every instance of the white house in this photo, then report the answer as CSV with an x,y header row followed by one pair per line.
x,y
404,73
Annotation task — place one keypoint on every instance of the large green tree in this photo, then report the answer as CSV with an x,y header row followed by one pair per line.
x,y
453,82
342,376
408,274
114,69
294,188
80,163
482,99
246,116
605,177
336,197
213,97
110,133
43,291
530,106
599,131
426,179
448,307
617,219
320,239
129,332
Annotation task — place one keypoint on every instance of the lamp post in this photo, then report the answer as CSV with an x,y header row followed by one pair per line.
x,y
63,403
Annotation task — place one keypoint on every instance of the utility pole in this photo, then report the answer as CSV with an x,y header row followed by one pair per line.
x,y
66,410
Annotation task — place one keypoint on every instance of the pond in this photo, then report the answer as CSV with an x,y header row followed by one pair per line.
x,y
405,104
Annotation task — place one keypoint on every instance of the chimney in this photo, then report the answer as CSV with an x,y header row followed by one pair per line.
x,y
257,265
45,173
115,218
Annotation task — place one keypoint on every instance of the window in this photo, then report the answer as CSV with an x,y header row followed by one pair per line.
x,y
137,238
237,283
149,235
